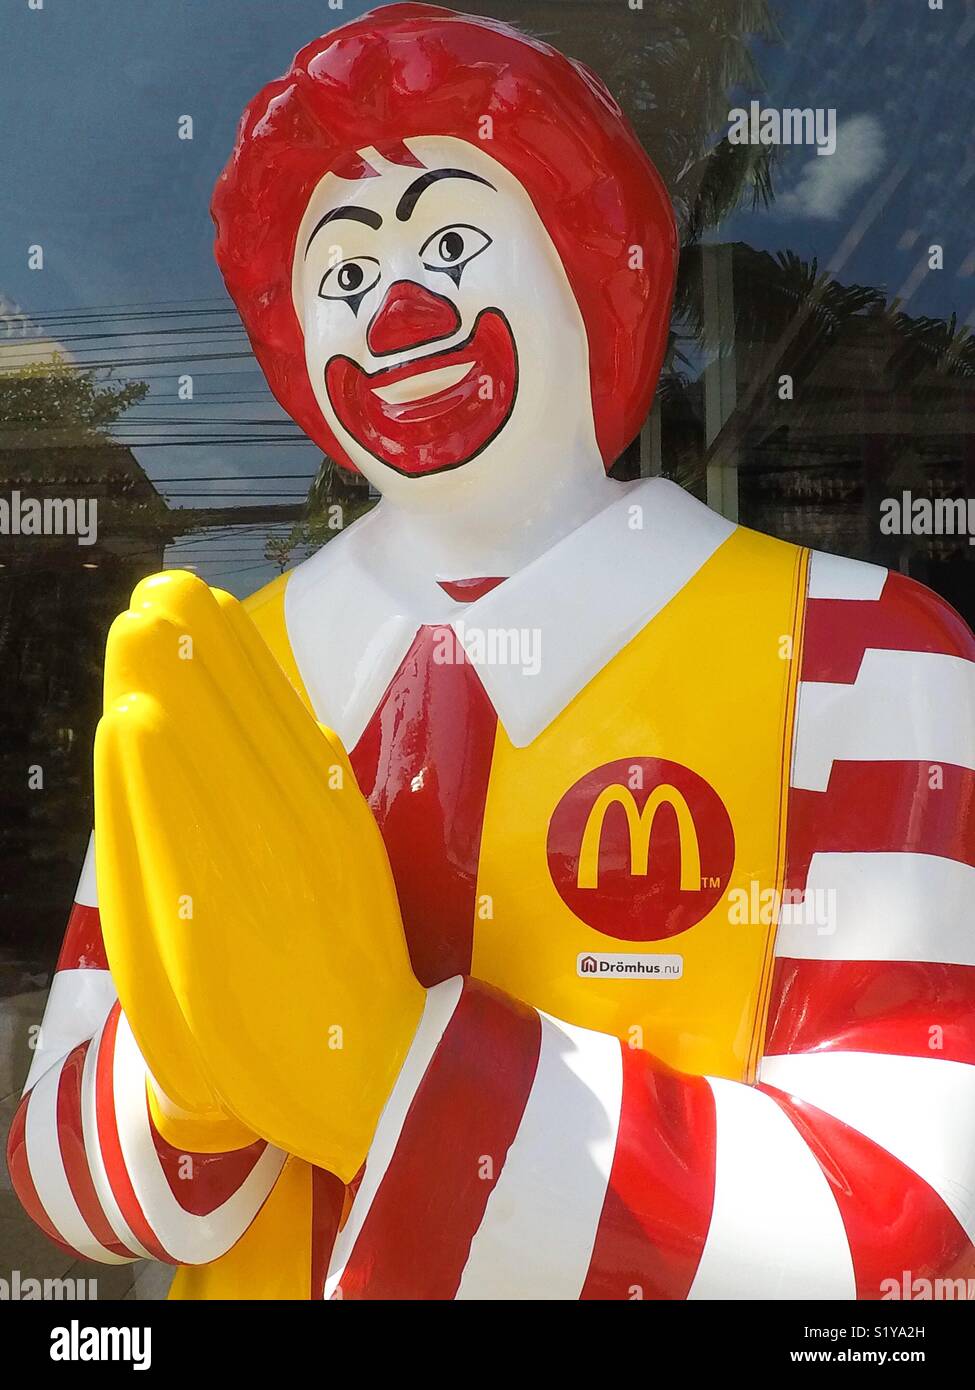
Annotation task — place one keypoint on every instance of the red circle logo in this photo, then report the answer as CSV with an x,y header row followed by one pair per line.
x,y
640,848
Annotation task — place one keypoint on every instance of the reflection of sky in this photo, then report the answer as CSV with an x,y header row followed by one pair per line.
x,y
89,108
899,76
94,172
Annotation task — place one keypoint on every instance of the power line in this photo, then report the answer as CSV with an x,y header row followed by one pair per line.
x,y
187,330
210,440
244,478
197,375
235,396
182,499
154,421
37,315
81,319
155,361
229,331
177,442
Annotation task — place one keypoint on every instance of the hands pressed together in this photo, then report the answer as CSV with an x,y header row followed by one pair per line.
x,y
247,903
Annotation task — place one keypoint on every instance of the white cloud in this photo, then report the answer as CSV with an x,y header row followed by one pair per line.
x,y
826,183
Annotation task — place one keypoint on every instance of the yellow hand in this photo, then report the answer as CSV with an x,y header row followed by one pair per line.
x,y
249,911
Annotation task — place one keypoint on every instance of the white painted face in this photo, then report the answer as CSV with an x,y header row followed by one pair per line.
x,y
443,342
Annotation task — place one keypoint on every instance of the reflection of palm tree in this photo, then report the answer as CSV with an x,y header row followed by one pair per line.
x,y
787,315
936,343
825,304
676,86
673,67
675,82
776,293
787,299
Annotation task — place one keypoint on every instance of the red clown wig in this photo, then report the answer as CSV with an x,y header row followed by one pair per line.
x,y
418,70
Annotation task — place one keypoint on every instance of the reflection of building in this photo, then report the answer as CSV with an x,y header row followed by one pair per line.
x,y
874,412
879,404
865,431
57,600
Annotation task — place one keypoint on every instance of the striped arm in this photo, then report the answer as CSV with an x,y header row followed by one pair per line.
x,y
84,1156
520,1157
567,1165
871,1043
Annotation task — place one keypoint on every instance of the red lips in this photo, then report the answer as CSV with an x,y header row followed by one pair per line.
x,y
440,431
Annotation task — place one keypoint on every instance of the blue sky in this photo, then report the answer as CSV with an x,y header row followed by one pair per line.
x,y
93,171
899,76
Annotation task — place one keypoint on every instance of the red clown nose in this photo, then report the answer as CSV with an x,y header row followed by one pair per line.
x,y
410,316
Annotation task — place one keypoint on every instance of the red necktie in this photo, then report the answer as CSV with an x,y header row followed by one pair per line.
x,y
423,763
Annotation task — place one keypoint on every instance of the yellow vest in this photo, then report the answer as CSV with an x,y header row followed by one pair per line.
x,y
624,851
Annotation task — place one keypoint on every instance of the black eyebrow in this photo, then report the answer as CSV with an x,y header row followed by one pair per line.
x,y
351,214
407,203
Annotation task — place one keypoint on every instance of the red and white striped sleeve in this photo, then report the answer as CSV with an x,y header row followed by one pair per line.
x,y
521,1157
871,1045
84,1156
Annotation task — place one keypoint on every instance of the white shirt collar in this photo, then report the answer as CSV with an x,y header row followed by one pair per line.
x,y
563,617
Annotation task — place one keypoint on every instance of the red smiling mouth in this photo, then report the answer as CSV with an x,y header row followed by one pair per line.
x,y
418,431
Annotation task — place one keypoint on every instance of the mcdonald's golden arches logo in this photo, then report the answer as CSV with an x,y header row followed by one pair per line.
x,y
641,848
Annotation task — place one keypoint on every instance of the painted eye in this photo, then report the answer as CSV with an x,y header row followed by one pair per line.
x,y
452,248
350,280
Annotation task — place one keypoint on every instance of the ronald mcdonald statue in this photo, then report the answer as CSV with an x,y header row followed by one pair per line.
x,y
550,889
